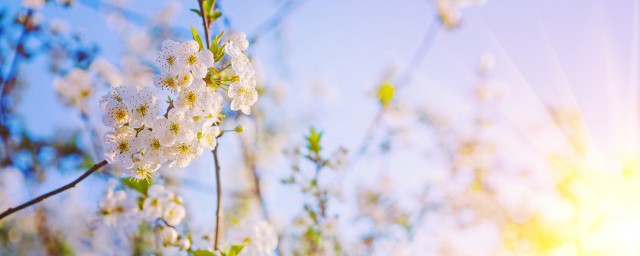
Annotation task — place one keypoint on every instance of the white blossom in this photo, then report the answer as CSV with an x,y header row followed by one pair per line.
x,y
182,153
193,99
168,59
195,61
177,127
144,106
149,141
209,135
143,169
120,147
243,93
122,94
116,114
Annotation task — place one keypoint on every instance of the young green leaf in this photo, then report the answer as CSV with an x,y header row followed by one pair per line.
x,y
202,253
196,37
235,250
196,11
313,141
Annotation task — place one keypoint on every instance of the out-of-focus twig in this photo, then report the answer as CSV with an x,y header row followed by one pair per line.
x,y
54,192
275,20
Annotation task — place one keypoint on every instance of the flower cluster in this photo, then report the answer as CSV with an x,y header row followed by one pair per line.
x,y
142,140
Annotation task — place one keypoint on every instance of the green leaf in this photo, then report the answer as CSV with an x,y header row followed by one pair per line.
x,y
234,250
385,93
202,253
197,12
196,37
215,15
219,54
313,141
139,185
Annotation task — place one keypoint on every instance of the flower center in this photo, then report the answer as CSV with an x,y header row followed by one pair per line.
x,y
142,109
121,115
155,144
183,148
169,83
191,98
192,59
175,128
123,146
170,60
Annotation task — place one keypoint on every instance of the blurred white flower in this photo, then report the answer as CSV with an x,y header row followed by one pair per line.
x,y
260,236
116,207
153,205
75,88
449,10
239,39
169,236
174,213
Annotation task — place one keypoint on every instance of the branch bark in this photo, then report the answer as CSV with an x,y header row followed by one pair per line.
x,y
54,192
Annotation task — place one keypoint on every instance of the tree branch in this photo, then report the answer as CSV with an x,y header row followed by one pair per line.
x,y
54,192
205,23
219,196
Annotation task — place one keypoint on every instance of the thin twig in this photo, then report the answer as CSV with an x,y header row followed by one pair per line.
x,y
205,23
9,80
54,192
219,196
275,20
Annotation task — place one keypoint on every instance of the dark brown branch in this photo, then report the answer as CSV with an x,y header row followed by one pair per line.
x,y
54,192
205,22
219,196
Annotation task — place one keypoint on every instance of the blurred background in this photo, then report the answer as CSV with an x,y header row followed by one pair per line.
x,y
453,127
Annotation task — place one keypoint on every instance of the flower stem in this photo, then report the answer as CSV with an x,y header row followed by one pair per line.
x,y
54,192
